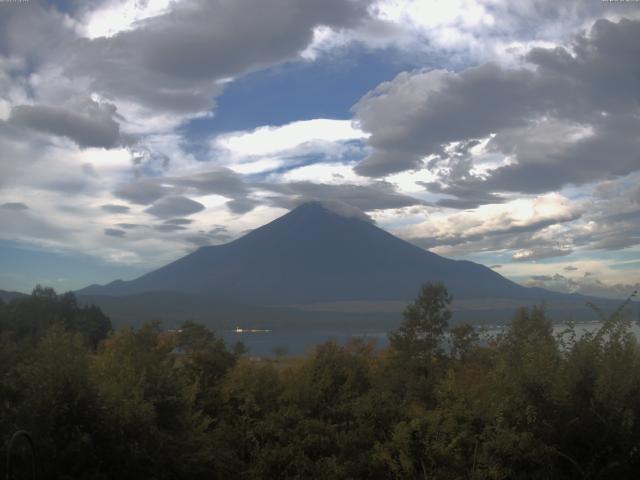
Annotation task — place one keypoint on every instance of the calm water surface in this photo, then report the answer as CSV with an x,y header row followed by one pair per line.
x,y
299,342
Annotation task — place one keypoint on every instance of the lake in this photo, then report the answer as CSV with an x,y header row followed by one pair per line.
x,y
300,342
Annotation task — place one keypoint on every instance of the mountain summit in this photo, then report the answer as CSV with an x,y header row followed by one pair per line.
x,y
317,253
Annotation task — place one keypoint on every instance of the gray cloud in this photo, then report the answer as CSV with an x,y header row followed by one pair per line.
x,y
169,228
94,127
19,224
129,226
143,191
218,230
174,206
613,216
178,221
217,180
16,206
541,278
241,205
570,268
111,208
379,196
572,118
114,232
200,240
171,62
584,285
32,31
415,114
538,253
523,238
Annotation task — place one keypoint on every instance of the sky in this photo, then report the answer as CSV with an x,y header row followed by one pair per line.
x,y
133,132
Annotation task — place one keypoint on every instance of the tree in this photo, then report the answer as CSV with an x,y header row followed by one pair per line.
x,y
425,323
463,338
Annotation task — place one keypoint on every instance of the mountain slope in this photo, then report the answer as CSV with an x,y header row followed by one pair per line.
x,y
311,255
6,296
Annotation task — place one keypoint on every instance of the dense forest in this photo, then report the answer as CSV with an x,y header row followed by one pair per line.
x,y
438,403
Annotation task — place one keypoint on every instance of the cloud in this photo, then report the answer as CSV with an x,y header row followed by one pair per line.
x,y
569,116
584,285
114,232
613,213
30,226
168,228
174,206
539,253
265,141
570,268
143,191
16,206
111,208
179,221
498,226
279,149
212,181
129,226
541,278
94,127
175,61
463,32
377,196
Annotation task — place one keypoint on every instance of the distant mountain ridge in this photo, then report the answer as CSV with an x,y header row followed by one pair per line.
x,y
319,268
312,255
7,296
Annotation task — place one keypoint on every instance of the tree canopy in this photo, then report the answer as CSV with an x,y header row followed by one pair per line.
x,y
440,402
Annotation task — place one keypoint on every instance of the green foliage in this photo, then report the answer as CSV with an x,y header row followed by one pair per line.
x,y
425,323
436,404
30,318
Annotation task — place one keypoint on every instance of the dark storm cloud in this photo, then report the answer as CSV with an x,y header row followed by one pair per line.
x,y
572,118
93,128
378,196
15,206
111,208
114,232
171,62
174,206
